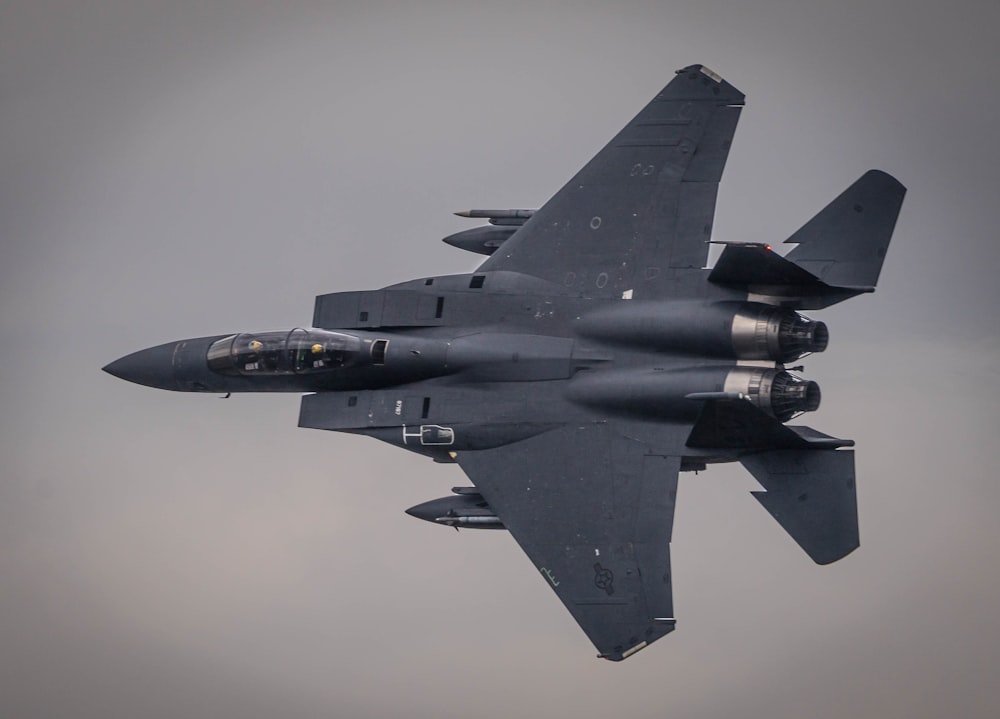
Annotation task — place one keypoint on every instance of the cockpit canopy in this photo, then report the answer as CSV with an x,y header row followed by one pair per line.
x,y
280,353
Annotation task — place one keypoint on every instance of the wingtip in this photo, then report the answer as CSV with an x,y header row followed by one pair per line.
x,y
884,176
704,69
725,90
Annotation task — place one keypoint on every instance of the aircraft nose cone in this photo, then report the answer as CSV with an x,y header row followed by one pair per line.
x,y
153,367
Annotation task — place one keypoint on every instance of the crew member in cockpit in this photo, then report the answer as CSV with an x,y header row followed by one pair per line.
x,y
317,355
251,360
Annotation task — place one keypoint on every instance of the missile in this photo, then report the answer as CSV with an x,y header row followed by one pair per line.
x,y
484,522
521,215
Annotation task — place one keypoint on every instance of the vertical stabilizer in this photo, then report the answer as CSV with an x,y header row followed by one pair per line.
x,y
845,244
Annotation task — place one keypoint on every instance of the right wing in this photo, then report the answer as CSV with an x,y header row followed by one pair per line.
x,y
593,510
643,206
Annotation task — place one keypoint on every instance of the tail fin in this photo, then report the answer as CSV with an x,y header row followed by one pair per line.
x,y
845,244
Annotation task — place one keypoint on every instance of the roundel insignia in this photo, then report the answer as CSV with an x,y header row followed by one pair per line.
x,y
604,579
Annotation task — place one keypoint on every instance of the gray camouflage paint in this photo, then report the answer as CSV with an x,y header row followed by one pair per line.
x,y
163,152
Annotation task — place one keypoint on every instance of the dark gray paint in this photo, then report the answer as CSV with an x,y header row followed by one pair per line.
x,y
179,565
571,405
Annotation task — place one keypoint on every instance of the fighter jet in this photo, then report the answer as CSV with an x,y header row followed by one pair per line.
x,y
589,360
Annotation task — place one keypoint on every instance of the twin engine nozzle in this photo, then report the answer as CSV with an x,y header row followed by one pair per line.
x,y
778,393
749,331
765,332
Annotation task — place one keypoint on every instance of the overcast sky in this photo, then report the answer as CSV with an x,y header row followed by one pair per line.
x,y
174,169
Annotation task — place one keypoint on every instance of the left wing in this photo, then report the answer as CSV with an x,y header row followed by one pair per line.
x,y
643,207
593,510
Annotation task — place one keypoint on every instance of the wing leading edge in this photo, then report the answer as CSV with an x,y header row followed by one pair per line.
x,y
593,510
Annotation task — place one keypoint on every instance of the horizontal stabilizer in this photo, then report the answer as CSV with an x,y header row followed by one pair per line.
x,y
812,495
845,244
738,424
754,264
500,217
761,271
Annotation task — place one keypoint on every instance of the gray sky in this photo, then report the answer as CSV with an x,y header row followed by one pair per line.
x,y
174,169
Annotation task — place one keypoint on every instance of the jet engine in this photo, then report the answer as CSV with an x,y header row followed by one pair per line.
x,y
744,330
779,393
766,332
678,394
